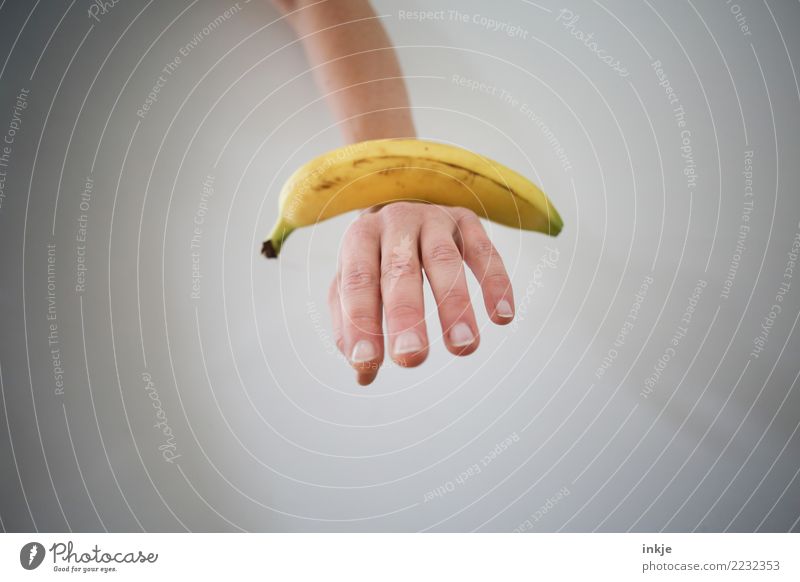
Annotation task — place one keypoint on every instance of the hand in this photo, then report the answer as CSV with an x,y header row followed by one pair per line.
x,y
380,269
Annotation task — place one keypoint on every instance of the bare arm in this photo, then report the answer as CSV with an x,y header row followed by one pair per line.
x,y
358,72
355,66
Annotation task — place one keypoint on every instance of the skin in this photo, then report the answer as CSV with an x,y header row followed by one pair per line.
x,y
385,252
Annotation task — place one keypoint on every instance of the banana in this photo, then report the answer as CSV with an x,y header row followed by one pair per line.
x,y
379,171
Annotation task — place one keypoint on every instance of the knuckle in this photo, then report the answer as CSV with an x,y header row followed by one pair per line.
x,y
498,279
362,318
357,276
483,248
461,213
444,253
403,310
455,297
365,219
397,268
396,210
362,227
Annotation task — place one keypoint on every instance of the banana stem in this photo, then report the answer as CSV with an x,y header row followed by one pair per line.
x,y
272,246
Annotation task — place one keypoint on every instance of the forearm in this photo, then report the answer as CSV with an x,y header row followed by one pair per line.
x,y
355,67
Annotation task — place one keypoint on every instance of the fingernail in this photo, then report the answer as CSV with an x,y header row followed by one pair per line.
x,y
461,335
363,351
407,342
503,309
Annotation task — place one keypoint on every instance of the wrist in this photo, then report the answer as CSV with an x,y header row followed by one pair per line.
x,y
394,123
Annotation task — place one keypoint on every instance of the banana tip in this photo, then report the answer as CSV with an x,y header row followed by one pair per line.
x,y
268,250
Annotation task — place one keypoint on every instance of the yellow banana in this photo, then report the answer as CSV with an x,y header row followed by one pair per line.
x,y
376,172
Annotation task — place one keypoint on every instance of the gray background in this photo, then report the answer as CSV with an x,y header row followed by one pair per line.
x,y
272,432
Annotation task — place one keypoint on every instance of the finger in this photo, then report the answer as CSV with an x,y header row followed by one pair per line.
x,y
363,377
360,298
366,376
444,268
401,288
485,262
335,308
